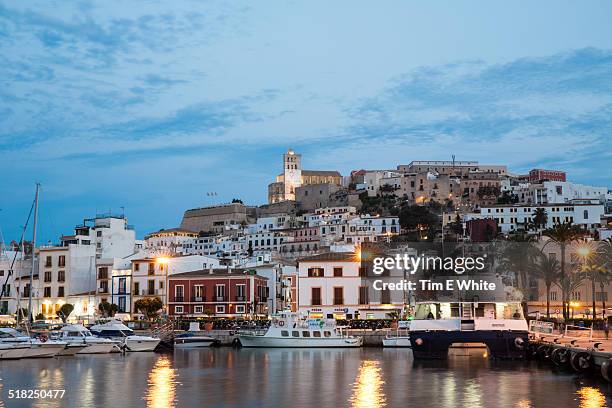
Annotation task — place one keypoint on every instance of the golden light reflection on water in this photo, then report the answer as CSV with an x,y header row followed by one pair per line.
x,y
367,390
591,398
523,404
161,392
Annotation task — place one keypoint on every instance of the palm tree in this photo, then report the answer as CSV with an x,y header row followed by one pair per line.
x,y
571,282
517,257
547,269
540,217
563,235
604,259
597,273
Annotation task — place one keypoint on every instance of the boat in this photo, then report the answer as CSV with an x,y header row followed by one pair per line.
x,y
192,338
37,348
13,351
500,326
78,334
116,330
400,337
71,349
289,330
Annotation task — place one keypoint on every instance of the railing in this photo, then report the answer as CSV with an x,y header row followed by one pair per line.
x,y
220,298
103,290
198,299
239,298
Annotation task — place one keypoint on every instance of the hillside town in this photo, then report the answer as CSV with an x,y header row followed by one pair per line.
x,y
299,252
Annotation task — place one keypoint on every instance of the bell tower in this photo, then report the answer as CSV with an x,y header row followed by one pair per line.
x,y
292,173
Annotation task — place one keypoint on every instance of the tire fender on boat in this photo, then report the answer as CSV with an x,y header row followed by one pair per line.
x,y
559,356
543,352
519,343
581,361
606,370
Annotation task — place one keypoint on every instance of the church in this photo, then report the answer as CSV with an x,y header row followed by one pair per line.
x,y
292,177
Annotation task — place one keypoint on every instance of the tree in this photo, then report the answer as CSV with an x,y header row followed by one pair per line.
x,y
563,235
237,200
22,313
488,191
65,311
517,257
416,216
540,217
107,309
547,268
570,283
149,306
40,316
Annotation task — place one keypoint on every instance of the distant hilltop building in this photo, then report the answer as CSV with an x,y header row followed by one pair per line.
x,y
292,177
536,175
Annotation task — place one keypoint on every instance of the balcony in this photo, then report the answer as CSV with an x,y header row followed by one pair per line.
x,y
179,298
102,290
198,299
220,298
240,298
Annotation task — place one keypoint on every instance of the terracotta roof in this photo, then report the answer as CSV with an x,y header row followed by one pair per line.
x,y
331,257
321,173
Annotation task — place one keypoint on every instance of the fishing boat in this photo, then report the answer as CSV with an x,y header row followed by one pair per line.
x,y
193,339
116,330
500,326
289,330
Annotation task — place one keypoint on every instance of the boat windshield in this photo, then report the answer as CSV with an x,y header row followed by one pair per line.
x,y
468,310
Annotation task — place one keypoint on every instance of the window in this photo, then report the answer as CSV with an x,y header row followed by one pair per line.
x,y
198,293
151,268
385,296
220,309
61,276
136,266
103,273
47,291
198,309
295,333
327,333
60,291
338,295
316,334
585,214
240,309
337,272
220,292
47,276
122,285
48,261
240,289
363,295
284,333
61,261
315,272
553,295
315,296
178,309
121,304
305,333
136,288
179,291
151,287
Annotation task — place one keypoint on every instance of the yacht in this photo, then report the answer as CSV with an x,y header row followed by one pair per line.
x,y
500,326
399,337
288,330
116,330
78,334
192,339
10,351
38,348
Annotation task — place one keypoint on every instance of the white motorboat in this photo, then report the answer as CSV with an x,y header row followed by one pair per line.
x,y
78,334
116,330
71,349
37,348
399,337
192,338
288,330
10,351
500,326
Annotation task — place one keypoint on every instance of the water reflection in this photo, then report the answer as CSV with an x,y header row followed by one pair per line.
x,y
161,392
367,390
591,398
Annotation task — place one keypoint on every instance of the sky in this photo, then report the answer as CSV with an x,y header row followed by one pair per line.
x,y
147,106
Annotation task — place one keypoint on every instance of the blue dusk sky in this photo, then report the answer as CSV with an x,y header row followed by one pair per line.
x,y
149,105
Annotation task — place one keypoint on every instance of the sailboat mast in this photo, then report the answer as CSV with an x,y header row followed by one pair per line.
x,y
33,253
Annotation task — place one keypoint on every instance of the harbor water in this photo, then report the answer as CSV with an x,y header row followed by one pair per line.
x,y
366,377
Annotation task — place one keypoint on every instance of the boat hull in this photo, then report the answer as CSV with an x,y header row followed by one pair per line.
x,y
13,352
189,344
396,342
71,349
290,342
434,344
97,348
141,344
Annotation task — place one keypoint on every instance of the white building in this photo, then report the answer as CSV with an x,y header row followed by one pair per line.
x,y
554,192
330,286
512,217
374,179
171,242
